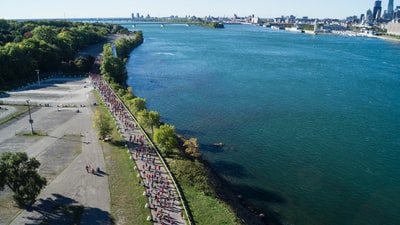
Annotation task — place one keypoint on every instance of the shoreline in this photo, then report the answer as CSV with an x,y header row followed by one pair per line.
x,y
244,212
383,37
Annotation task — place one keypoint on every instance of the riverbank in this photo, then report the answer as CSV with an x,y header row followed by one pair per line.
x,y
245,213
229,199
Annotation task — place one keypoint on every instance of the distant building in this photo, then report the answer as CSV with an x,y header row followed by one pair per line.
x,y
396,14
368,17
376,14
393,28
389,14
255,20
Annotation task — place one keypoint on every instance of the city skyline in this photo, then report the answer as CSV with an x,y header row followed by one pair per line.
x,y
46,9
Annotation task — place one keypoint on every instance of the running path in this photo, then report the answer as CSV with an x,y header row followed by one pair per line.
x,y
163,198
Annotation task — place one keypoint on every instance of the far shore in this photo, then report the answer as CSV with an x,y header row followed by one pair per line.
x,y
384,37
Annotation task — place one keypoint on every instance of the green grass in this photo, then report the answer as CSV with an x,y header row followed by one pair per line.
x,y
204,205
127,201
35,133
208,209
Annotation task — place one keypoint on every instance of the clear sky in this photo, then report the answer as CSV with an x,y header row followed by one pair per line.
x,y
32,9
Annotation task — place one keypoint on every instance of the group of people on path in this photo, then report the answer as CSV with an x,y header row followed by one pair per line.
x,y
90,169
163,201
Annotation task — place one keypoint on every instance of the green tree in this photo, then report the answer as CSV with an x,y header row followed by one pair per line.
x,y
154,120
149,119
143,118
45,33
137,104
20,174
126,94
83,64
192,147
102,122
114,68
165,138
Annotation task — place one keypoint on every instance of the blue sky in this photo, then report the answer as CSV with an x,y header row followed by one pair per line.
x,y
28,9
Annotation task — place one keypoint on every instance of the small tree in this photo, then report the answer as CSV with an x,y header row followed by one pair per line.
x,y
154,120
20,174
149,119
143,118
192,147
103,123
165,138
137,104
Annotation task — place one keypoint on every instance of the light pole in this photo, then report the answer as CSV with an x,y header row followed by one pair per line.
x,y
30,117
38,78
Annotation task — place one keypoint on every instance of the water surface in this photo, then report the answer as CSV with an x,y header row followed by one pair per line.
x,y
310,124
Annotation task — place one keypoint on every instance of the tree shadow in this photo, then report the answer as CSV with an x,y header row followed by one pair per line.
x,y
245,193
188,133
259,194
61,210
48,82
211,148
231,169
68,139
118,143
254,193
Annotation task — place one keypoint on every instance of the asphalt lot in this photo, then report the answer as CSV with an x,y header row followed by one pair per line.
x,y
69,144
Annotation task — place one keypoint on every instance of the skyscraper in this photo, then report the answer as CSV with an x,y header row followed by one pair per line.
x,y
377,11
390,10
369,18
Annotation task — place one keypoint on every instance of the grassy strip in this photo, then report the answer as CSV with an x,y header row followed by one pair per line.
x,y
208,209
21,110
205,206
127,200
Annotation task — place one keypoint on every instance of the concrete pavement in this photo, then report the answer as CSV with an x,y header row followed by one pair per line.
x,y
74,188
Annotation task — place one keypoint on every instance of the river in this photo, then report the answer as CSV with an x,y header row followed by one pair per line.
x,y
310,124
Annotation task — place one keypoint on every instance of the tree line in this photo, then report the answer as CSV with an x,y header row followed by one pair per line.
x,y
183,155
49,46
113,70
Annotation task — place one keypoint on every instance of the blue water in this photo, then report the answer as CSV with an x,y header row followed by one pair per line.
x,y
311,124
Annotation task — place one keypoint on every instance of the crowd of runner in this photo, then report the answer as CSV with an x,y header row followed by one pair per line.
x,y
163,200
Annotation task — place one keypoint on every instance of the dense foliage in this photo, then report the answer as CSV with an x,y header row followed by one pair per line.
x,y
48,46
213,24
19,173
165,138
113,66
102,122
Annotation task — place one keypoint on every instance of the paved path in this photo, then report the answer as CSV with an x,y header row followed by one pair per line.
x,y
74,187
163,198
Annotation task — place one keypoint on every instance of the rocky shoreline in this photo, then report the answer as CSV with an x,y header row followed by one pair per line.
x,y
246,213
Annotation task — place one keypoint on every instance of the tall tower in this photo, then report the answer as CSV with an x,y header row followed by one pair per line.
x,y
369,17
390,10
377,11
